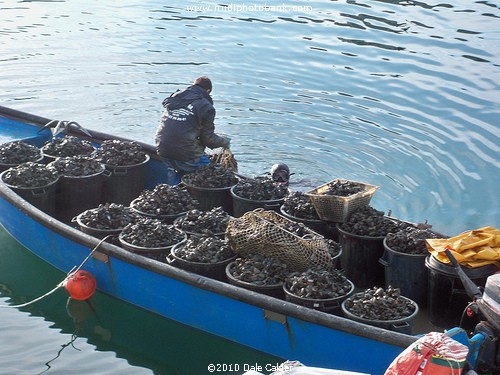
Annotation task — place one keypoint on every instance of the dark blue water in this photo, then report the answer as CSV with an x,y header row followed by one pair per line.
x,y
400,94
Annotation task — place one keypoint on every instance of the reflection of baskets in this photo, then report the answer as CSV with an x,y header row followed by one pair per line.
x,y
259,232
336,208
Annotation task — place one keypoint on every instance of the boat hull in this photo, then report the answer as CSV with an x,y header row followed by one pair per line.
x,y
264,323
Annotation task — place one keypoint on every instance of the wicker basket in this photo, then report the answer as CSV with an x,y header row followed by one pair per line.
x,y
336,208
259,232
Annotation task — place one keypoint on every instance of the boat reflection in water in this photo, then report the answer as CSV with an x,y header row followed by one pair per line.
x,y
104,324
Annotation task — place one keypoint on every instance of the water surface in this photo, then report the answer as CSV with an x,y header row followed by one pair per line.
x,y
399,94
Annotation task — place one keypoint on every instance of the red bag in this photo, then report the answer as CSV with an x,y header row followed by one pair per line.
x,y
433,354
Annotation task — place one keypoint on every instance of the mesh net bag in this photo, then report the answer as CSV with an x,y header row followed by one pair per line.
x,y
224,157
259,232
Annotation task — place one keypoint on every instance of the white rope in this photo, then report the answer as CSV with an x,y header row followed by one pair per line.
x,y
37,299
62,283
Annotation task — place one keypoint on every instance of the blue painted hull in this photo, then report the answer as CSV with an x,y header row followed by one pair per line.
x,y
264,323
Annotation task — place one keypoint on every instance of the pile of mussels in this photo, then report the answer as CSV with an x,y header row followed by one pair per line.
x,y
212,222
299,205
379,304
164,200
151,233
296,228
30,175
68,146
259,270
318,284
343,188
211,176
260,189
77,166
334,248
204,249
120,153
18,152
410,240
108,216
367,221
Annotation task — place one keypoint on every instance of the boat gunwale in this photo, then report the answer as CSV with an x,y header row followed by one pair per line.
x,y
264,302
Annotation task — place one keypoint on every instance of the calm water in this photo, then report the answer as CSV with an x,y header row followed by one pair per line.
x,y
59,335
400,94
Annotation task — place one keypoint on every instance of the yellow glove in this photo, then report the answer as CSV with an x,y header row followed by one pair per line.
x,y
474,248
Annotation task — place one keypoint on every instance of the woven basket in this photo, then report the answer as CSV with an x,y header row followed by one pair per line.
x,y
259,232
336,208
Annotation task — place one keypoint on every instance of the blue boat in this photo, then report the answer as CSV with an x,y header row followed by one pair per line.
x,y
261,322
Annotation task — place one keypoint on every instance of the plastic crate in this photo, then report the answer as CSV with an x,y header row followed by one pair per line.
x,y
335,208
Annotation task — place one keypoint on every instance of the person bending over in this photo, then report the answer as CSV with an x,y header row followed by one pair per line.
x,y
186,129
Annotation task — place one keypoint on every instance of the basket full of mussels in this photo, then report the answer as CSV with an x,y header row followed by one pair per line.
x,y
384,308
18,152
404,261
318,289
337,199
361,238
66,146
259,274
164,202
260,192
80,185
203,254
298,207
126,161
272,235
211,186
34,182
151,238
106,219
196,222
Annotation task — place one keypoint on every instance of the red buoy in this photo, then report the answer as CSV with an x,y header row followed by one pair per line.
x,y
81,285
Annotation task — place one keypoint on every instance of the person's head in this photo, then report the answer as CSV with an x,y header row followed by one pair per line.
x,y
280,173
204,82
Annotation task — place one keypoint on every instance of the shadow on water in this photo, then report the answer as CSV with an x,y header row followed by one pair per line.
x,y
141,338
